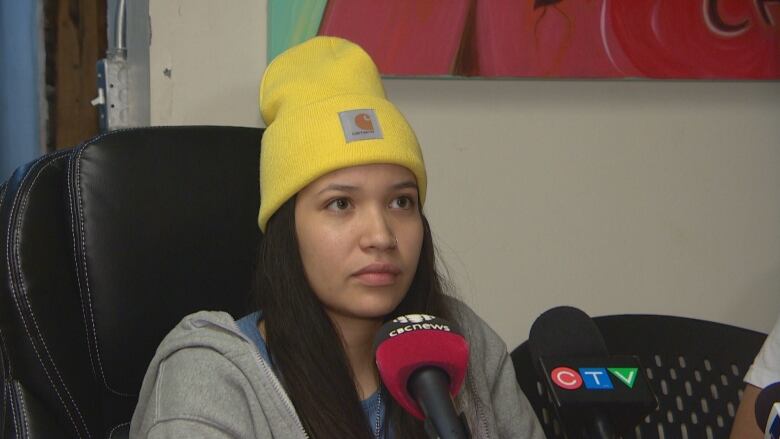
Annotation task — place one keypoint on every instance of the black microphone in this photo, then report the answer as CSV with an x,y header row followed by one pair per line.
x,y
595,395
422,361
768,411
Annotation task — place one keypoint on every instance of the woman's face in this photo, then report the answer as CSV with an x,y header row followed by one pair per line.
x,y
360,233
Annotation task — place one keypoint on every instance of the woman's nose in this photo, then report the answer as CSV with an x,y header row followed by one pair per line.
x,y
377,231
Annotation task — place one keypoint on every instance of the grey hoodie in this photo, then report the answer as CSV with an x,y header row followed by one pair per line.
x,y
207,380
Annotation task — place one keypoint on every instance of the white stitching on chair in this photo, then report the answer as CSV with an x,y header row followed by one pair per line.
x,y
86,275
24,293
23,410
111,433
3,348
73,234
13,411
23,208
21,313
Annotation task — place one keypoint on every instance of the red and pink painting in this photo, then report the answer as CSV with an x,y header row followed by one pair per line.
x,y
670,39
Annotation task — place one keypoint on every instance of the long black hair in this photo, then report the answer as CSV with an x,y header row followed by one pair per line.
x,y
305,346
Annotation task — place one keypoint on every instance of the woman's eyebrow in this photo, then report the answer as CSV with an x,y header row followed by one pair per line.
x,y
350,188
338,187
405,184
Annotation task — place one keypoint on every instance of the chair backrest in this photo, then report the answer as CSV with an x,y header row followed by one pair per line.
x,y
105,248
3,355
695,368
34,267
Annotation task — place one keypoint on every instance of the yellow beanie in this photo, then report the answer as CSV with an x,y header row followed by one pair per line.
x,y
325,109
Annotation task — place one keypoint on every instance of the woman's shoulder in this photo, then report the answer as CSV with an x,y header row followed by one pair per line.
x,y
487,349
203,341
205,369
504,409
473,326
209,329
200,341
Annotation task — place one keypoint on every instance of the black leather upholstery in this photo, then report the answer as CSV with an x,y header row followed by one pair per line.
x,y
3,354
30,416
40,314
105,248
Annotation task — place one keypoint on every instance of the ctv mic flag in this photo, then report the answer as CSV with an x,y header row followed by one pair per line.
x,y
612,384
597,381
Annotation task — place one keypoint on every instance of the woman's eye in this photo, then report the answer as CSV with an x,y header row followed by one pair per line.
x,y
339,204
402,203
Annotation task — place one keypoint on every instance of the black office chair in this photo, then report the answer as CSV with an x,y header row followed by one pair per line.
x,y
695,368
105,248
3,357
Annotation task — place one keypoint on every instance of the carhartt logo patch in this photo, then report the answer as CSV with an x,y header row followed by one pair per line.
x,y
363,121
360,125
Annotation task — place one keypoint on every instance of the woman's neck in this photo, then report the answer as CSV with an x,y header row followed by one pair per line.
x,y
358,341
358,338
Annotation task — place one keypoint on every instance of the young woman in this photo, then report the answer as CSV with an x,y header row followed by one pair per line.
x,y
346,247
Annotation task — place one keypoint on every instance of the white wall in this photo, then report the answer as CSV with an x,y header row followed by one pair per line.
x,y
613,196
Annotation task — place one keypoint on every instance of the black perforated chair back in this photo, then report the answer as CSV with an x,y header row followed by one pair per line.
x,y
105,248
695,368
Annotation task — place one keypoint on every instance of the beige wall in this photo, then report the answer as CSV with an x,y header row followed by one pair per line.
x,y
613,196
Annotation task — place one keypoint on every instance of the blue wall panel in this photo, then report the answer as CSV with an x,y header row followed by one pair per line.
x,y
20,84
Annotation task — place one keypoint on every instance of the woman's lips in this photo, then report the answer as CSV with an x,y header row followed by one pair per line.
x,y
377,275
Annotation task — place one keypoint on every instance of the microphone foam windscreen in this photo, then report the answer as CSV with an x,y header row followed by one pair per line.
x,y
410,342
565,331
764,402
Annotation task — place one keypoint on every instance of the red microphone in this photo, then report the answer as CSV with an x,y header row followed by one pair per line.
x,y
422,361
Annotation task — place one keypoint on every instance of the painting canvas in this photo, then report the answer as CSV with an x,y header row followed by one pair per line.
x,y
670,39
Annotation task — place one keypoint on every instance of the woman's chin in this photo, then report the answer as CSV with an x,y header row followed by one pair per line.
x,y
368,309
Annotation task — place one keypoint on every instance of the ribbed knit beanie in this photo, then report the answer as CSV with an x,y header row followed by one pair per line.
x,y
325,109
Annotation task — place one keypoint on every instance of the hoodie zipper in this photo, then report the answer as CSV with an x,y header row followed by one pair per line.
x,y
269,374
483,432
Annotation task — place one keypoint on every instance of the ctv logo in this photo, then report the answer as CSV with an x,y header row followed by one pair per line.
x,y
594,378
